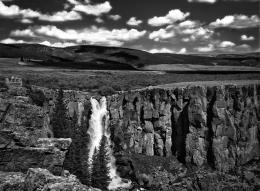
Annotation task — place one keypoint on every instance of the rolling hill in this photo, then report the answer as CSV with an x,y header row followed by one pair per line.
x,y
117,58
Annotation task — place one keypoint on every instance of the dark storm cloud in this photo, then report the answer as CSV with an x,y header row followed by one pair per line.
x,y
172,26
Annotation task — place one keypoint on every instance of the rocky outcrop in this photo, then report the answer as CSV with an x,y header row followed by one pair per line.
x,y
200,124
50,156
12,181
200,180
25,135
40,179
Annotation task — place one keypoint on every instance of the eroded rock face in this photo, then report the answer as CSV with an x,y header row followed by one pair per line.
x,y
25,136
216,125
204,124
40,179
12,181
49,155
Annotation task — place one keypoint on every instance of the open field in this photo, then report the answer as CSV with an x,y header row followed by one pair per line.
x,y
92,80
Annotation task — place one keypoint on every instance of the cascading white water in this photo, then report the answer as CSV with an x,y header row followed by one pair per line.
x,y
98,126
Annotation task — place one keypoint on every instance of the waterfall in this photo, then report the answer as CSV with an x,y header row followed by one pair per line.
x,y
98,126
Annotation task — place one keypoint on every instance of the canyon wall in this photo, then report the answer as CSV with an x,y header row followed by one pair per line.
x,y
30,158
200,123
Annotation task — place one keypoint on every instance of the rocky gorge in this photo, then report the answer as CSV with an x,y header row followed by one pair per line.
x,y
193,136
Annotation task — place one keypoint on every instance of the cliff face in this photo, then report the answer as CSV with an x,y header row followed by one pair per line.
x,y
200,124
30,158
205,124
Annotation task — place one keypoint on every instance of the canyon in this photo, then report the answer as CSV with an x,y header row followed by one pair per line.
x,y
210,129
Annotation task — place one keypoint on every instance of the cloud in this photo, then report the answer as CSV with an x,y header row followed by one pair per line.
x,y
247,38
161,34
182,51
208,48
91,35
167,50
186,31
244,46
202,1
214,1
58,44
188,24
114,17
237,22
223,47
162,50
75,2
198,33
61,16
26,21
15,11
97,9
134,22
226,44
11,41
99,20
22,33
170,18
26,15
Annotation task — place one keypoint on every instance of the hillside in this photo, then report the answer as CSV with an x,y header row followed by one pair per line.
x,y
100,57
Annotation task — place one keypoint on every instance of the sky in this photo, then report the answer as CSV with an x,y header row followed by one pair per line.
x,y
156,26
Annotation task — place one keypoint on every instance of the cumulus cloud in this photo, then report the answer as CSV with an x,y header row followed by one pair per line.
x,y
134,22
214,1
185,31
14,11
161,34
22,33
61,16
203,1
97,9
114,17
223,47
244,46
99,20
162,50
182,51
226,44
167,50
11,41
198,33
58,44
208,48
92,35
188,24
170,18
237,22
26,21
247,38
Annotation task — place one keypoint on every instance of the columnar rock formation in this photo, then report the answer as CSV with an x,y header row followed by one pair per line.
x,y
201,124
